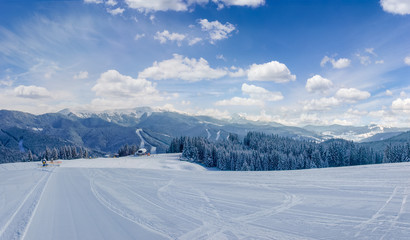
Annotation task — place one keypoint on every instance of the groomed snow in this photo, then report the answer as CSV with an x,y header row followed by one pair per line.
x,y
160,197
157,161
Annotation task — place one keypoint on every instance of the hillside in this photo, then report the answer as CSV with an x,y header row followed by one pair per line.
x,y
105,132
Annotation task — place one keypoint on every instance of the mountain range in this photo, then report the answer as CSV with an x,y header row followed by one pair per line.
x,y
105,132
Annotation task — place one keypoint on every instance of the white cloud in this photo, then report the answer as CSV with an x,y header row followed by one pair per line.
x,y
321,104
81,75
401,7
180,67
239,72
364,60
215,113
116,11
260,93
272,71
217,31
114,84
238,101
111,2
389,93
339,63
356,112
401,105
379,61
220,57
370,51
351,95
93,1
139,36
243,3
194,41
115,90
33,92
318,84
6,82
184,5
165,36
407,60
257,97
157,5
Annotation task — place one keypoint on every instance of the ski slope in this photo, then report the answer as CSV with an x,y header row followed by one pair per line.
x,y
160,197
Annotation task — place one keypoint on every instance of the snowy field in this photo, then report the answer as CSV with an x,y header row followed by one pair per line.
x,y
159,197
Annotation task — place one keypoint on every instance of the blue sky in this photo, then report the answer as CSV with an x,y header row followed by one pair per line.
x,y
294,62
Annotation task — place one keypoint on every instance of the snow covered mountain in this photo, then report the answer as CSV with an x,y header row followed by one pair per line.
x,y
368,133
107,131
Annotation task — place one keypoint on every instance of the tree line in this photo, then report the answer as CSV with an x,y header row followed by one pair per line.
x,y
262,152
64,152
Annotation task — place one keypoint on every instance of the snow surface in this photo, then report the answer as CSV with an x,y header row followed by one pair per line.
x,y
160,197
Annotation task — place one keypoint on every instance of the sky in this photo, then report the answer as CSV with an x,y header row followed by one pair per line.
x,y
294,62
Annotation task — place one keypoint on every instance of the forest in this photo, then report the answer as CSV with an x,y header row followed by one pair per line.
x,y
265,152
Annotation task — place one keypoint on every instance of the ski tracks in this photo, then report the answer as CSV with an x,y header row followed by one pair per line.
x,y
125,213
19,221
216,224
386,219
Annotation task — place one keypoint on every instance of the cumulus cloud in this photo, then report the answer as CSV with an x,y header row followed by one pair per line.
x,y
184,68
139,36
272,71
81,75
33,92
401,7
343,95
238,101
339,63
407,60
257,97
351,95
158,5
216,30
194,41
401,105
111,2
244,3
260,93
115,11
93,1
112,84
215,113
321,104
165,36
184,5
318,84
237,72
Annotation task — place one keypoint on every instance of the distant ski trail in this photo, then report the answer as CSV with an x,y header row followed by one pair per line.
x,y
138,131
209,134
218,134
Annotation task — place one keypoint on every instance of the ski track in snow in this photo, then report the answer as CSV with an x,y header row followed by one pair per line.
x,y
218,134
18,222
164,200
